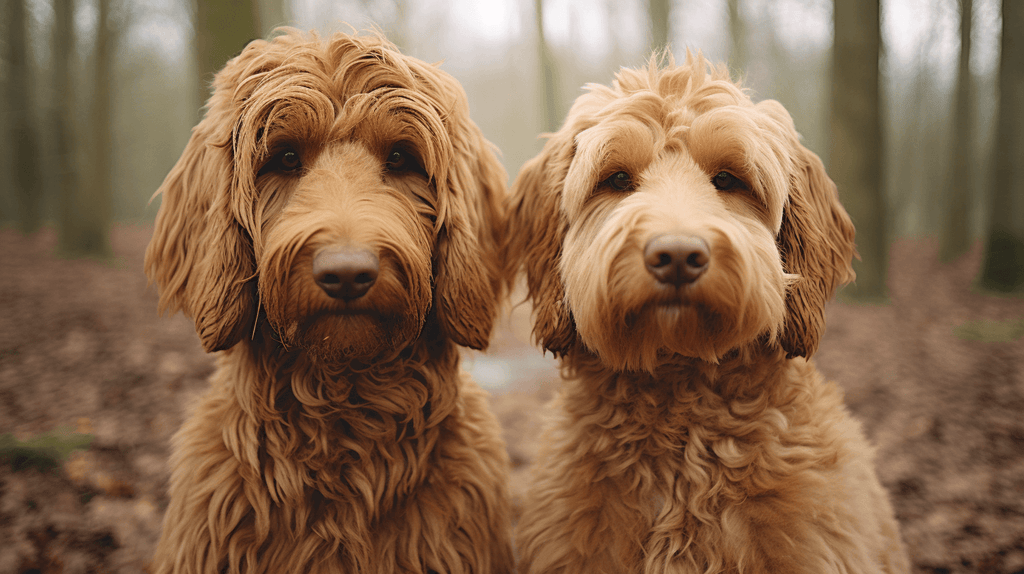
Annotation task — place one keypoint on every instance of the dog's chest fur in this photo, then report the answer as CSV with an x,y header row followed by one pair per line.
x,y
342,472
684,452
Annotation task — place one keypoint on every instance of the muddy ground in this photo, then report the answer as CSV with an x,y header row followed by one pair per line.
x,y
937,377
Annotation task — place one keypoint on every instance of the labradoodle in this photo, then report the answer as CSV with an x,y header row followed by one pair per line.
x,y
332,228
679,244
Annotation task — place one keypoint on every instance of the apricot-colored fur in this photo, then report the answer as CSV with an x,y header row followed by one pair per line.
x,y
692,433
337,436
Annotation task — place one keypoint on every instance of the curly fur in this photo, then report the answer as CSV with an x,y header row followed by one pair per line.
x,y
337,436
692,433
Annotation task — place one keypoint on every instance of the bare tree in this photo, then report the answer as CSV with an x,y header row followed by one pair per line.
x,y
738,37
954,234
916,140
269,15
658,11
222,29
62,115
549,75
1003,267
93,201
27,179
856,154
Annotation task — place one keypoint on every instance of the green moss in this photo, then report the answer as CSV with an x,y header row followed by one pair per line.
x,y
45,451
991,331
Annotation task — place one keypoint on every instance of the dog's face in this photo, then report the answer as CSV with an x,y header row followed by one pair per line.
x,y
672,216
339,189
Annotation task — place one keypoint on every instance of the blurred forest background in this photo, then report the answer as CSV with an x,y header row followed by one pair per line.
x,y
916,107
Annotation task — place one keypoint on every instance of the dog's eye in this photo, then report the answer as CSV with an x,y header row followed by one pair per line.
x,y
285,161
621,181
290,160
725,181
401,160
396,160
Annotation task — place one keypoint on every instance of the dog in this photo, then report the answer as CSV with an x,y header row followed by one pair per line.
x,y
333,228
678,244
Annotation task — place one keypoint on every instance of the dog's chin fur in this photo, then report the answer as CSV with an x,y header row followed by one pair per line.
x,y
338,434
666,334
334,337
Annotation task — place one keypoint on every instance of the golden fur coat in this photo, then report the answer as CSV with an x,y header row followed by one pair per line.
x,y
678,245
339,434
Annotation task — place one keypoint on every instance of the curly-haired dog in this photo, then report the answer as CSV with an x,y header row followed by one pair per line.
x,y
332,227
679,244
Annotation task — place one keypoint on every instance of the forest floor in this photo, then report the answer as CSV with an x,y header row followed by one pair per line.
x,y
93,383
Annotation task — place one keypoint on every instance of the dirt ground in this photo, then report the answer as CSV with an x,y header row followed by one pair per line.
x,y
937,377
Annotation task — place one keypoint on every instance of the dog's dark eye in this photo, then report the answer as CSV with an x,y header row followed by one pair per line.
x,y
285,161
725,181
397,160
401,160
290,160
621,181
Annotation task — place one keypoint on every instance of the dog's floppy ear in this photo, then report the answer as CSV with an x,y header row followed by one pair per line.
x,y
533,242
467,280
816,242
200,257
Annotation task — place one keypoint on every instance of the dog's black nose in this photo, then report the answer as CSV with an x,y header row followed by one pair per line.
x,y
676,259
345,272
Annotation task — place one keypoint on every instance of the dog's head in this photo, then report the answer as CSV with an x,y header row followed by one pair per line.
x,y
339,189
671,215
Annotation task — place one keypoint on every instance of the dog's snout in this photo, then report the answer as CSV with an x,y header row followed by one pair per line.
x,y
676,259
345,272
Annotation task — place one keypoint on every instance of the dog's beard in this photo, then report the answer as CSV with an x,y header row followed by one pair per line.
x,y
641,338
334,337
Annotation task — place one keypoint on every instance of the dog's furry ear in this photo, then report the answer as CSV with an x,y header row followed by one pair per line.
x,y
200,257
467,280
533,242
816,242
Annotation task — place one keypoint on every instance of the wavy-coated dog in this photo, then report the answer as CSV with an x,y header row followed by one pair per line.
x,y
332,228
679,244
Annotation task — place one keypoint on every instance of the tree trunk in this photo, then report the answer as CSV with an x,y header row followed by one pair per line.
x,y
955,233
269,15
1003,267
659,11
549,89
62,115
92,210
222,29
738,37
915,143
26,177
856,152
